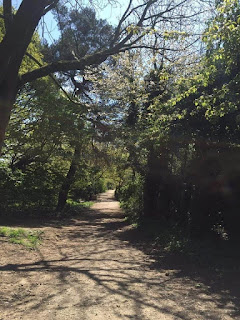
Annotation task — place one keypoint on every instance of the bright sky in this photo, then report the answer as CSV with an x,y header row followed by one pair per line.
x,y
50,30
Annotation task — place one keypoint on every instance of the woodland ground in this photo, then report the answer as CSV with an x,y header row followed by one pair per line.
x,y
96,266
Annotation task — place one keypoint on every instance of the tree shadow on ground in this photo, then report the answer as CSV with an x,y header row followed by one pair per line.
x,y
148,280
215,269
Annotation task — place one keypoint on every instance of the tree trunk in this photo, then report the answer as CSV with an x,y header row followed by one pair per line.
x,y
8,93
13,47
4,119
63,193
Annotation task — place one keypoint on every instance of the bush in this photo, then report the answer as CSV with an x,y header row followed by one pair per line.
x,y
85,189
130,196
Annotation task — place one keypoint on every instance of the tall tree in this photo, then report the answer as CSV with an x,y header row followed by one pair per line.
x,y
131,31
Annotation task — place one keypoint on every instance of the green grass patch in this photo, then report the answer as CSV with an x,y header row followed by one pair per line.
x,y
83,204
74,208
27,238
87,204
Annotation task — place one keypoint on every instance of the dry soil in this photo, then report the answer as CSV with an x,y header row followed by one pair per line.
x,y
96,267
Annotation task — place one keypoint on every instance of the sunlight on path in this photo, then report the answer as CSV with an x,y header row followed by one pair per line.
x,y
89,268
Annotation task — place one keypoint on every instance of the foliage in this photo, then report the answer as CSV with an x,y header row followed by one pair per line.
x,y
130,195
186,132
81,33
43,131
53,146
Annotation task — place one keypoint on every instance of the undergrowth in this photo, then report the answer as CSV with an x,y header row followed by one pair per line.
x,y
209,252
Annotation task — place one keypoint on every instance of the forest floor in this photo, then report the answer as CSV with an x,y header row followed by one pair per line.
x,y
96,266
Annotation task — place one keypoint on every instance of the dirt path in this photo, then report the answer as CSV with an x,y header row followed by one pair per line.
x,y
91,268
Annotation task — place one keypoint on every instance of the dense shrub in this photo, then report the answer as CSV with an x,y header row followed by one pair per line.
x,y
130,195
85,189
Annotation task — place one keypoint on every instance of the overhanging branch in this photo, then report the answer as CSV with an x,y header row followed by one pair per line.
x,y
128,41
54,80
62,66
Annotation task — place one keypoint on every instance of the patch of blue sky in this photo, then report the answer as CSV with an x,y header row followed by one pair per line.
x,y
109,10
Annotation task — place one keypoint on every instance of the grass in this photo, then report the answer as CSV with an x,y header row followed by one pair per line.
x,y
27,238
87,204
74,208
83,204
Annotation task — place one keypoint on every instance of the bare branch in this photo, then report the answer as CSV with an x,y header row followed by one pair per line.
x,y
184,16
134,10
130,44
117,31
149,4
34,59
148,47
139,24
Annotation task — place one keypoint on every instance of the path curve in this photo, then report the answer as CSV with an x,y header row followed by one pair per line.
x,y
89,268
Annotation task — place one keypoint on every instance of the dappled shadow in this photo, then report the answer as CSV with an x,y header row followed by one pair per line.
x,y
215,272
101,268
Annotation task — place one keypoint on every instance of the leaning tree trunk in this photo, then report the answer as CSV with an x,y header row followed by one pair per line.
x,y
19,32
63,193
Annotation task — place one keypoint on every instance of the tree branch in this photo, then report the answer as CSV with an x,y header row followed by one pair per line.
x,y
134,10
117,32
148,47
54,80
128,42
50,7
139,24
62,66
